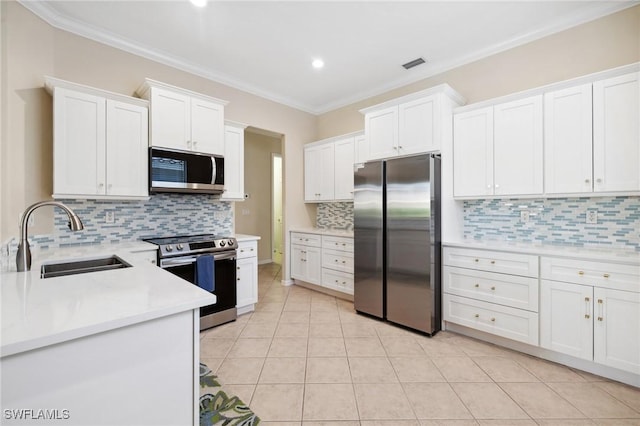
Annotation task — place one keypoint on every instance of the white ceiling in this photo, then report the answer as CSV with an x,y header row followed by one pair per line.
x,y
266,47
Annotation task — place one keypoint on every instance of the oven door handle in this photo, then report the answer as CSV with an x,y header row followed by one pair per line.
x,y
167,263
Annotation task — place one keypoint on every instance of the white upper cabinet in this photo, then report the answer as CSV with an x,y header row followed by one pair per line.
x,y
184,120
409,125
517,147
568,140
328,168
233,162
100,143
616,134
473,153
343,153
381,131
361,149
319,177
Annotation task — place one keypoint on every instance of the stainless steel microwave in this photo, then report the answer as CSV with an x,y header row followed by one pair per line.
x,y
185,171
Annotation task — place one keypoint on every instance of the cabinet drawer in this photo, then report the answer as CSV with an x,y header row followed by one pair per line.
x,y
338,260
597,274
508,290
337,243
313,240
492,261
247,249
511,323
336,280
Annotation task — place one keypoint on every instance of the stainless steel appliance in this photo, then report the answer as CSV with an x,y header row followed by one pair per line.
x,y
179,255
185,172
397,241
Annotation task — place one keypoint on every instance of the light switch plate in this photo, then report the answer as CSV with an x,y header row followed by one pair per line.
x,y
524,216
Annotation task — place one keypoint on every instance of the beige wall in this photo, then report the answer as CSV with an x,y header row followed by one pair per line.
x,y
606,43
253,215
32,49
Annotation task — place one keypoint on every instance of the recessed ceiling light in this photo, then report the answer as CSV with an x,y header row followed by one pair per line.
x,y
199,3
317,63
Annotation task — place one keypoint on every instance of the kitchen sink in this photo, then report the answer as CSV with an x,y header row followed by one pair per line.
x,y
61,269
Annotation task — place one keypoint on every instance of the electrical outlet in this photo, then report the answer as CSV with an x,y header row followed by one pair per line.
x,y
592,216
524,216
110,216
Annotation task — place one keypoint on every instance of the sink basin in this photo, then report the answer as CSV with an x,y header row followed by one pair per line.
x,y
60,269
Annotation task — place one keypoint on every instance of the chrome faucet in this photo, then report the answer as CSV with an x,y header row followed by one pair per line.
x,y
23,259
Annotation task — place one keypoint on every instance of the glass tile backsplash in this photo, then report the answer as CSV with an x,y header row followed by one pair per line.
x,y
557,221
161,215
335,216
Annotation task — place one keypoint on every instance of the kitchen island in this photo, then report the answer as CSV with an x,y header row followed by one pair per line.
x,y
101,348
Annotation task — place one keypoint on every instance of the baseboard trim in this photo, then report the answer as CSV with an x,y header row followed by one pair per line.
x,y
264,262
320,289
287,283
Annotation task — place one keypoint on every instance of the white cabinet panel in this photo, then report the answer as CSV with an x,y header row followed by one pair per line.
x,y
343,154
319,174
568,140
170,119
247,281
361,149
418,127
381,131
126,153
306,257
233,163
517,147
207,127
492,261
616,339
473,153
566,318
616,132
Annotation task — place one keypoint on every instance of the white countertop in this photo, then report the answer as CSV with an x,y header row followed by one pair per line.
x,y
245,237
616,255
40,312
322,231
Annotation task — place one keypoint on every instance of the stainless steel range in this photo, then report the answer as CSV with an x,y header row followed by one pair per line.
x,y
179,255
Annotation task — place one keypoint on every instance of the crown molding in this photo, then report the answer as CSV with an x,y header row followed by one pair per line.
x,y
43,10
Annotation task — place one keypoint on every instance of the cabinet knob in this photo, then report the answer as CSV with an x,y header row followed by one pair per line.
x,y
488,186
477,285
497,186
599,180
477,315
599,318
587,316
399,146
606,275
493,320
476,260
587,180
493,287
493,262
238,279
238,268
580,272
344,261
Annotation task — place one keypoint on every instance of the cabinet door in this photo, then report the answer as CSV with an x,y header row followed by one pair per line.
x,y
517,147
127,142
568,140
566,318
207,127
381,131
313,265
616,329
79,150
298,262
473,153
616,123
170,119
247,281
233,164
312,173
343,153
361,149
417,126
327,172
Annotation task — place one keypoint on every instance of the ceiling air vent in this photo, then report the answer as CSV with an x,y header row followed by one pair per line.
x,y
414,63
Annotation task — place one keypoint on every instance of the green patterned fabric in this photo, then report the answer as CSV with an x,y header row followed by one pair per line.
x,y
217,408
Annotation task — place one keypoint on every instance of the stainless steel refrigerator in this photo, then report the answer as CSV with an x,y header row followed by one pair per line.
x,y
397,241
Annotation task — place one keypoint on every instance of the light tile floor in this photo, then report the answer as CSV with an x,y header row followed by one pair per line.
x,y
305,358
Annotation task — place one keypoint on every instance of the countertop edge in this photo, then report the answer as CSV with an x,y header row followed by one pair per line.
x,y
320,231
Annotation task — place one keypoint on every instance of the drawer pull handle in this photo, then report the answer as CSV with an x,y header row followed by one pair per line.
x,y
606,275
493,287
477,315
477,285
580,272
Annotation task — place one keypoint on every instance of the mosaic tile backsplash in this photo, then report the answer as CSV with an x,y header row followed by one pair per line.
x,y
161,215
335,216
558,221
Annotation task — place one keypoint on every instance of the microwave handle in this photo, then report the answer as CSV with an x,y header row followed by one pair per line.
x,y
213,170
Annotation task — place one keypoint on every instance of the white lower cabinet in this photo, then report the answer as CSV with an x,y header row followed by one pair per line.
x,y
586,318
306,257
247,276
323,260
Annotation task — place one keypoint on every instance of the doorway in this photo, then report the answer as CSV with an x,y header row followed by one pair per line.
x,y
276,206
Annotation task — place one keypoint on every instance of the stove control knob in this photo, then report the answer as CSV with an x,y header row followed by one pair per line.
x,y
222,243
169,248
179,247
